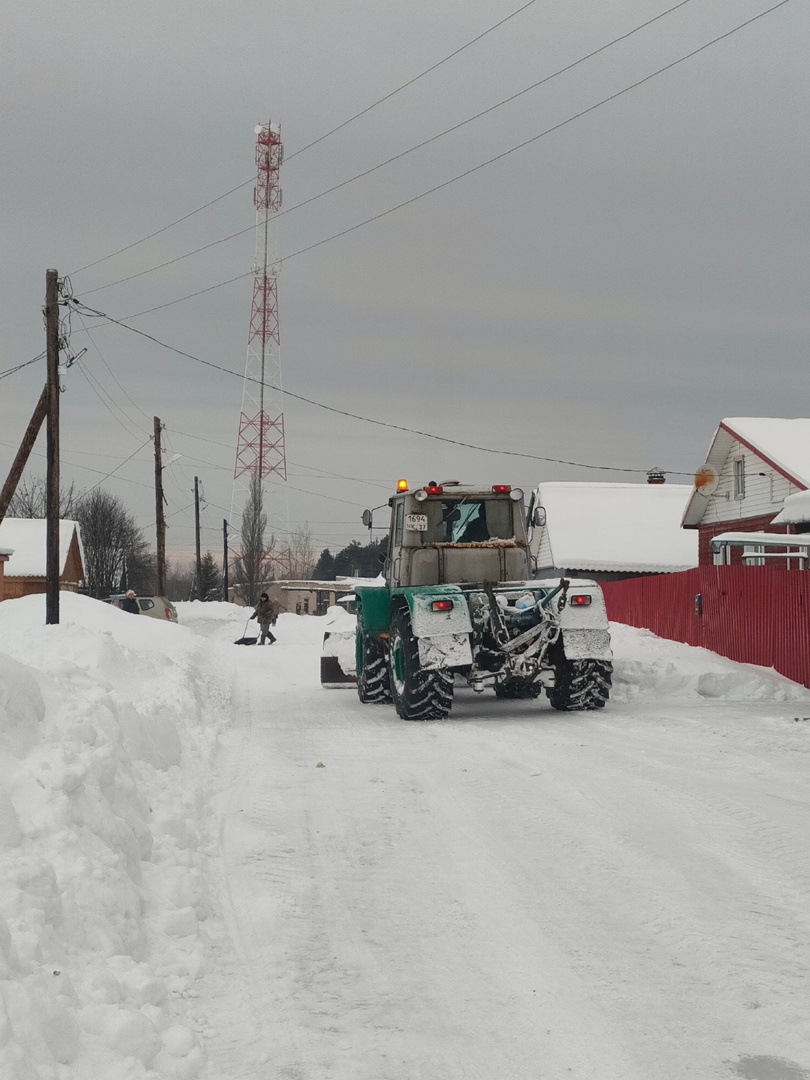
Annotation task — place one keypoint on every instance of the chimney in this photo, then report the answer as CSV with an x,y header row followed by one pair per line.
x,y
656,476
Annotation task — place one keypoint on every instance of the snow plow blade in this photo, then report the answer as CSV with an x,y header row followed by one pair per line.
x,y
337,655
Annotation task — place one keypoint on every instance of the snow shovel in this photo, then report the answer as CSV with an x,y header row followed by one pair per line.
x,y
246,640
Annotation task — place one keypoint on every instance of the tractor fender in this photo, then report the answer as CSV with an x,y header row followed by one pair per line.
x,y
443,636
585,630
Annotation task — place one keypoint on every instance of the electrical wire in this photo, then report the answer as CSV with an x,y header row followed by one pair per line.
x,y
357,416
117,467
314,142
19,367
475,168
396,157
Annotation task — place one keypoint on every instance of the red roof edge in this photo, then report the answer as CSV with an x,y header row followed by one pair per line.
x,y
754,450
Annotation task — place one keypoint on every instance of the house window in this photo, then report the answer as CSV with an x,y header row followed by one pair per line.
x,y
306,605
739,478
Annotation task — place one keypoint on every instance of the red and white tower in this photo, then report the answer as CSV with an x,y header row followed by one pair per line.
x,y
260,449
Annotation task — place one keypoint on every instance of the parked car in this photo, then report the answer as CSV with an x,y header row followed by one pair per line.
x,y
156,607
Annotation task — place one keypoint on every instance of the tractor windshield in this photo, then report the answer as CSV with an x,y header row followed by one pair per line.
x,y
468,521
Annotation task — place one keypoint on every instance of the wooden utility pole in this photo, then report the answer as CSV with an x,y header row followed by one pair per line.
x,y
26,446
52,567
160,519
225,582
197,536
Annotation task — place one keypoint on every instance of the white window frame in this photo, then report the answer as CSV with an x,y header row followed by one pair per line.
x,y
739,478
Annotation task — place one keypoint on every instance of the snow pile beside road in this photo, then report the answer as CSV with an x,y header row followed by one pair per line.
x,y
108,724
646,666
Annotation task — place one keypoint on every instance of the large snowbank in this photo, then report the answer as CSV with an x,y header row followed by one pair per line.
x,y
108,724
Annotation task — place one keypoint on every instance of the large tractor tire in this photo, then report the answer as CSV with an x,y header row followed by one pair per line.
x,y
517,690
373,683
581,684
417,694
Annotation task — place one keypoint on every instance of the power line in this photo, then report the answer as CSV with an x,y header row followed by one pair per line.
x,y
19,367
117,467
357,416
314,142
397,157
474,168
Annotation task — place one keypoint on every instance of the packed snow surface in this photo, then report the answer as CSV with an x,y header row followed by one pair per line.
x,y
212,867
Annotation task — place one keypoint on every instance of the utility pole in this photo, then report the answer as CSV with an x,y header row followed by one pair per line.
x,y
225,582
160,520
197,536
52,450
26,446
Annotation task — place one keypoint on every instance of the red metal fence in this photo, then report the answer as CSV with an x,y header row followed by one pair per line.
x,y
753,614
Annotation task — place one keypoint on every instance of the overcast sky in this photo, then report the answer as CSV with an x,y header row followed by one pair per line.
x,y
605,295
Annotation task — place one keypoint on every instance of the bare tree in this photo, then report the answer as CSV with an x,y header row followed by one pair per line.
x,y
180,580
30,500
251,564
116,555
302,553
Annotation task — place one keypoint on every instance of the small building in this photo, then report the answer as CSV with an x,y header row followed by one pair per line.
x,y
308,597
25,565
753,467
612,531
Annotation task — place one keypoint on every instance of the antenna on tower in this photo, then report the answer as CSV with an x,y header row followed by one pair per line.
x,y
261,450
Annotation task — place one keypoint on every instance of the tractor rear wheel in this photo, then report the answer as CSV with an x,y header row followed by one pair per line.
x,y
418,694
581,684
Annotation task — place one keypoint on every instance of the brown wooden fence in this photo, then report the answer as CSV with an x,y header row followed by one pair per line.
x,y
753,614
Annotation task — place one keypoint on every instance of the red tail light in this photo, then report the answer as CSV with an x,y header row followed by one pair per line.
x,y
442,605
434,489
168,614
579,600
501,489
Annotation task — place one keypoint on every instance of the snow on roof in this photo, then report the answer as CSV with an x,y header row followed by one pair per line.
x,y
785,443
26,539
795,511
621,527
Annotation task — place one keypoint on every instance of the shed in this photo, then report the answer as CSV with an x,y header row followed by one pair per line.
x,y
25,569
5,554
752,466
612,531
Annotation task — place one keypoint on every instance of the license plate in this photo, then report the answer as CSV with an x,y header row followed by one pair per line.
x,y
416,522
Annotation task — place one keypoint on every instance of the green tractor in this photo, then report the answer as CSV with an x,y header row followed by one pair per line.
x,y
459,600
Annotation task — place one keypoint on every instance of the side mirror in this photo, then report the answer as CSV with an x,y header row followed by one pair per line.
x,y
539,516
366,518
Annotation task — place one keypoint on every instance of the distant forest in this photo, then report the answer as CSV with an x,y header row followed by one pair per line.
x,y
356,560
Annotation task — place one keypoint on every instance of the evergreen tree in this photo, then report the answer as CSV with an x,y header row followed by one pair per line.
x,y
325,567
210,578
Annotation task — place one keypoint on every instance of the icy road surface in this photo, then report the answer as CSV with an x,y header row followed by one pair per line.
x,y
514,893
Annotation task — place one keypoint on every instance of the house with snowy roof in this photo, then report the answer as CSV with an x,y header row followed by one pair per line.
x,y
755,481
612,531
23,540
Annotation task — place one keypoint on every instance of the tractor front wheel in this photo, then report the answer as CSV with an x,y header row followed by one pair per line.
x,y
373,685
418,694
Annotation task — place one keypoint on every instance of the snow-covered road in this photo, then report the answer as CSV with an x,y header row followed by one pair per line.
x,y
212,868
513,893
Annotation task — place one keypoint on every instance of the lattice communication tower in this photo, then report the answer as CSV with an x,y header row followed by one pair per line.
x,y
260,449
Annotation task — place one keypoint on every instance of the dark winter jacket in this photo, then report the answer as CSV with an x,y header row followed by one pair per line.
x,y
129,604
264,612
